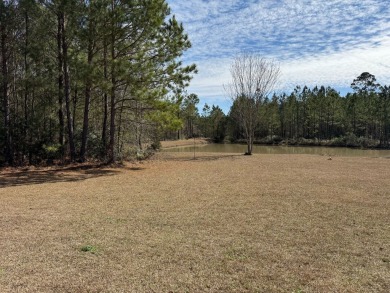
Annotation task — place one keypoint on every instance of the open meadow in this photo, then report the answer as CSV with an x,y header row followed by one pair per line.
x,y
220,223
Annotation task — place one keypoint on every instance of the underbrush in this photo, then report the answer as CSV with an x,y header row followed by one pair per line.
x,y
349,140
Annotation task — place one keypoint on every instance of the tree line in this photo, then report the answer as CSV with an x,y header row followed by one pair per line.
x,y
104,79
88,79
306,116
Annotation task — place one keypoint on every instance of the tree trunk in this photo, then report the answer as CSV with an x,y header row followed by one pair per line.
x,y
249,139
250,145
30,152
60,85
84,138
26,89
6,96
111,145
67,89
105,99
119,126
88,88
74,104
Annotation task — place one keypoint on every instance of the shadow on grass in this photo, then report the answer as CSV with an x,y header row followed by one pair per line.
x,y
67,174
134,168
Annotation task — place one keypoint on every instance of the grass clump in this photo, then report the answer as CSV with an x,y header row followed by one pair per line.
x,y
89,248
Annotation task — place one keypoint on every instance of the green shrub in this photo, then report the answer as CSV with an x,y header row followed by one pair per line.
x,y
351,140
52,152
156,145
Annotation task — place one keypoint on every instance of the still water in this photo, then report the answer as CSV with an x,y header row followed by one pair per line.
x,y
261,149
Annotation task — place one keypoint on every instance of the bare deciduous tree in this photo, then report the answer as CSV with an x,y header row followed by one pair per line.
x,y
253,78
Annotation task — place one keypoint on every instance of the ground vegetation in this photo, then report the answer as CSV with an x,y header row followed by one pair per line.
x,y
300,223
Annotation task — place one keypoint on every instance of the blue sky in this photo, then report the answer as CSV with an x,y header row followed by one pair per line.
x,y
316,42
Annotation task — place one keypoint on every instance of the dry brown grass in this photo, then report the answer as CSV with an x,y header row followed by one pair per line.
x,y
183,142
221,223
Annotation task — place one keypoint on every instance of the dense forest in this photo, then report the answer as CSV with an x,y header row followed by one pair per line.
x,y
88,79
317,116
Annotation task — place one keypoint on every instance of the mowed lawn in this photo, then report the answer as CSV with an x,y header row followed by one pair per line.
x,y
220,223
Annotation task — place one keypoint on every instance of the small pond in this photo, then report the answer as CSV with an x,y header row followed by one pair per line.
x,y
263,149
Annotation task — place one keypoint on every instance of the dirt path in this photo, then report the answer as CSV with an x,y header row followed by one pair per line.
x,y
183,142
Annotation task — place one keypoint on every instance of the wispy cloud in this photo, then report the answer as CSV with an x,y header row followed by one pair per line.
x,y
316,42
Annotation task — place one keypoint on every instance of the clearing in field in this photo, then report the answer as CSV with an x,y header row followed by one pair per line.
x,y
220,223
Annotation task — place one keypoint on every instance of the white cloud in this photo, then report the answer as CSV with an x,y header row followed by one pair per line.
x,y
338,69
317,42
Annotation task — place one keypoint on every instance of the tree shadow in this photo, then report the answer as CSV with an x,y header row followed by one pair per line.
x,y
66,174
134,168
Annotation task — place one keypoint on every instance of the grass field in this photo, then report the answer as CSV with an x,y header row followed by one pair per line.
x,y
220,223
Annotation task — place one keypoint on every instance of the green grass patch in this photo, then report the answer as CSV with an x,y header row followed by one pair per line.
x,y
89,248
